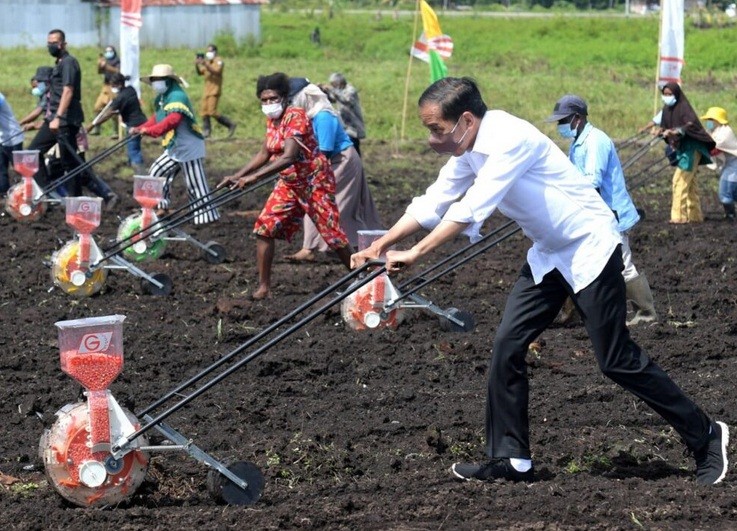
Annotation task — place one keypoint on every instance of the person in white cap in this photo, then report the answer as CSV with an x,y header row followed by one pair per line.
x,y
725,157
184,145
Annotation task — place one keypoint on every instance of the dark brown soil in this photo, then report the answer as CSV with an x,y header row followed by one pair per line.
x,y
357,430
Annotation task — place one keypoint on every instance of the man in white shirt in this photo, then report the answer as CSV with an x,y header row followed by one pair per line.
x,y
502,162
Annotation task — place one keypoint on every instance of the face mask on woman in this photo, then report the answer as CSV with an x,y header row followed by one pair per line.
x,y
710,125
159,86
109,54
272,110
669,100
210,56
445,144
114,90
39,89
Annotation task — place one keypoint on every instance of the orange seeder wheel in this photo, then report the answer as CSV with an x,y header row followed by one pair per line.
x,y
86,478
18,209
362,309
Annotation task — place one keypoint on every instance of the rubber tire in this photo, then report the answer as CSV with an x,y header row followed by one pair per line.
x,y
225,491
218,257
469,323
150,289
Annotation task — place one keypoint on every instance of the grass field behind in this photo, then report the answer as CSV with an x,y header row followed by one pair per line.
x,y
522,65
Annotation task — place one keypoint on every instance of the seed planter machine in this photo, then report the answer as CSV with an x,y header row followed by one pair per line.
x,y
141,237
27,201
96,453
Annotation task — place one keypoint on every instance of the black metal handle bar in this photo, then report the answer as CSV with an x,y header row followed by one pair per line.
x,y
421,276
644,177
647,169
84,166
380,269
15,135
637,155
182,216
433,278
631,140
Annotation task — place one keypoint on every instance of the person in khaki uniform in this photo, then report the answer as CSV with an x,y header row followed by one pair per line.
x,y
108,65
211,66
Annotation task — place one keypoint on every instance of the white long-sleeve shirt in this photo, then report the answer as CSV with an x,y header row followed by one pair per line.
x,y
516,169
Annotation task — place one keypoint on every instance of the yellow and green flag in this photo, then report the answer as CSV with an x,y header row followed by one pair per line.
x,y
432,46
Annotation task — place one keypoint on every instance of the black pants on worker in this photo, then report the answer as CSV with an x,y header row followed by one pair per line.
x,y
66,137
602,304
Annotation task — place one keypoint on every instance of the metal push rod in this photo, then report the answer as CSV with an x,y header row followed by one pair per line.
x,y
86,165
427,280
421,276
637,155
631,140
643,178
181,216
380,269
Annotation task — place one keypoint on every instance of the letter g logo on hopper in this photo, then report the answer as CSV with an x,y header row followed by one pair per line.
x,y
95,342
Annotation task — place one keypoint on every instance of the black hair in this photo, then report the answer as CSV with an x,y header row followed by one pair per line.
x,y
118,79
43,73
61,34
214,48
455,95
278,82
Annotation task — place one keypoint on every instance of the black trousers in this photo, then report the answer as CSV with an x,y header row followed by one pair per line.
x,y
602,304
66,137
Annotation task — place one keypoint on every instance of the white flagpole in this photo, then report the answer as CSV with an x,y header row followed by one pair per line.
x,y
130,24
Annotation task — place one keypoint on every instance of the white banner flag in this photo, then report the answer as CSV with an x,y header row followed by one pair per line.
x,y
130,51
671,41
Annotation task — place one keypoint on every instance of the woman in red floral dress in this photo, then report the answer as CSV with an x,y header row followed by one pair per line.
x,y
306,183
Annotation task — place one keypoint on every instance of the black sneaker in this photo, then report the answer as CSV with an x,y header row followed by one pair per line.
x,y
494,469
711,460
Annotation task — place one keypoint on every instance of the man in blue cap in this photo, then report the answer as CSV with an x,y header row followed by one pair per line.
x,y
595,156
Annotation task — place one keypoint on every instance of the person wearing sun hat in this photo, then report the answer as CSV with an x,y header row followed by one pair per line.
x,y
717,125
184,145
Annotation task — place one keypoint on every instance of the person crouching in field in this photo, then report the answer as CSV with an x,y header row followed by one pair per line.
x,y
184,145
501,162
725,157
306,183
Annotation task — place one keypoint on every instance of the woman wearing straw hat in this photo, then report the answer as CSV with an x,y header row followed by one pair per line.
x,y
184,145
725,157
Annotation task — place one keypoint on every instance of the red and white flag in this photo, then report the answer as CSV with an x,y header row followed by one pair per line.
x,y
441,44
671,42
130,50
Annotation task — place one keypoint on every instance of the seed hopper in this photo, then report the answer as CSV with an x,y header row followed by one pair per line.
x,y
27,201
80,268
144,237
379,304
148,240
96,453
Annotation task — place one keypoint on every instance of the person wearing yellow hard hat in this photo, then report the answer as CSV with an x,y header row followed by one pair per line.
x,y
725,156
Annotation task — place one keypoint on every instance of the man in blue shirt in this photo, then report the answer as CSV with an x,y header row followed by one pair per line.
x,y
593,153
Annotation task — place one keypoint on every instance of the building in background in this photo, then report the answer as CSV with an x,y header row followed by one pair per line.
x,y
97,22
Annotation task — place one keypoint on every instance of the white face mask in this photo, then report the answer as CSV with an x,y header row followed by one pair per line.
x,y
210,56
670,100
159,86
114,90
272,110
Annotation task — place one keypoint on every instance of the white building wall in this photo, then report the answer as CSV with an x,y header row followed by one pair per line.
x,y
26,23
